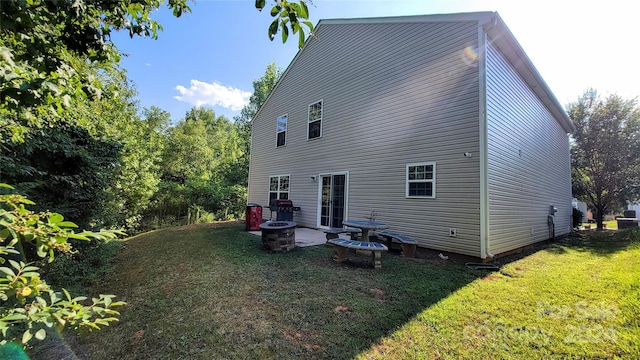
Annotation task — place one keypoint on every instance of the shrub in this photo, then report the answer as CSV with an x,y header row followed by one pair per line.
x,y
577,216
28,304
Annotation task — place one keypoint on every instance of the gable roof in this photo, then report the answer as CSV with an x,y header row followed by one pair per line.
x,y
500,35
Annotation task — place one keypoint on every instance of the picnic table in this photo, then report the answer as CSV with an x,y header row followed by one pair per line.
x,y
365,225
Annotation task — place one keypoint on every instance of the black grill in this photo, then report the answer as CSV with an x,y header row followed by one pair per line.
x,y
284,209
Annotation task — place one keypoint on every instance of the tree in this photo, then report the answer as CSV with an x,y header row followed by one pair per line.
x,y
46,45
99,165
50,51
199,169
63,169
605,152
261,89
136,173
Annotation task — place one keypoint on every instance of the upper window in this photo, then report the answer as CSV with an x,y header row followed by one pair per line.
x,y
315,120
278,187
281,133
421,180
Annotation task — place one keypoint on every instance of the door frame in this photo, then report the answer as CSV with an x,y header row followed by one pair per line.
x,y
319,199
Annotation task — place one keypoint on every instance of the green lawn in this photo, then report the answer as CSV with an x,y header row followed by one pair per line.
x,y
210,292
610,224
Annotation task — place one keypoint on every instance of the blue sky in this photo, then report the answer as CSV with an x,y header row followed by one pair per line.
x,y
211,56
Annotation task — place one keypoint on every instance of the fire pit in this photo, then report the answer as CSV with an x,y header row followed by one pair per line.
x,y
279,235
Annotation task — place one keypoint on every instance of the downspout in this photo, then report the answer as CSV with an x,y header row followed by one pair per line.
x,y
485,242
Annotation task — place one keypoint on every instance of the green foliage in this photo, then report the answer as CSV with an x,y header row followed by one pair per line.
x,y
86,266
136,174
61,86
288,15
576,216
46,45
26,300
605,152
63,169
137,178
100,164
261,89
194,146
177,204
201,169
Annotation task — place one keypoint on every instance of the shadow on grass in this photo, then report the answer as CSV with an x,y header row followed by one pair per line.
x,y
602,243
212,292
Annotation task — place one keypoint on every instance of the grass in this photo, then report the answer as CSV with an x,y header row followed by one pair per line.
x,y
205,292
611,224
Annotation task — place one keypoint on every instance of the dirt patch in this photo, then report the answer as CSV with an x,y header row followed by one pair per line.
x,y
341,309
379,294
302,339
490,277
216,224
138,335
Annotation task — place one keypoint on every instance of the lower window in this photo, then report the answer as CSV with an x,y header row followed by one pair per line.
x,y
278,187
421,180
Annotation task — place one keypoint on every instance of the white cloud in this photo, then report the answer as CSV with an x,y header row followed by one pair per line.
x,y
201,93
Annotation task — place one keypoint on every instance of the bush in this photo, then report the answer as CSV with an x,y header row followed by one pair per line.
x,y
28,305
577,216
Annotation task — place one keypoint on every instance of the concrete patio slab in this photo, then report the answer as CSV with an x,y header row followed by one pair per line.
x,y
306,236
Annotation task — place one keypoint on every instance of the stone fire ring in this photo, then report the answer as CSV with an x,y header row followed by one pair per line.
x,y
279,235
278,225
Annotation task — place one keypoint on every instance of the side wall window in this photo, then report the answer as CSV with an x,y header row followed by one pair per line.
x,y
315,120
278,187
421,180
281,132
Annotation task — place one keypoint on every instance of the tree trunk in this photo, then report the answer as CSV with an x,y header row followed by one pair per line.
x,y
600,216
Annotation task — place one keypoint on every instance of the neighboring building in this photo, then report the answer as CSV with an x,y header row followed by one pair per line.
x,y
634,207
438,123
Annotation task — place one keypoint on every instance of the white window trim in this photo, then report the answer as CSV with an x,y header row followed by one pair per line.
x,y
433,181
309,121
285,130
278,191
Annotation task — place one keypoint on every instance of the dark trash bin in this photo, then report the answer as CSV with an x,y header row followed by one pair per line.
x,y
253,217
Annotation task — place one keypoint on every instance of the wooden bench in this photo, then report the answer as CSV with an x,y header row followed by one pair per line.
x,y
332,233
407,243
341,246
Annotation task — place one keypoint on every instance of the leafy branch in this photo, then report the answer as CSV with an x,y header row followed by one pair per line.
x,y
25,299
288,15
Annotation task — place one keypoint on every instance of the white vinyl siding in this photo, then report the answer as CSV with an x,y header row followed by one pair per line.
x,y
400,93
528,161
